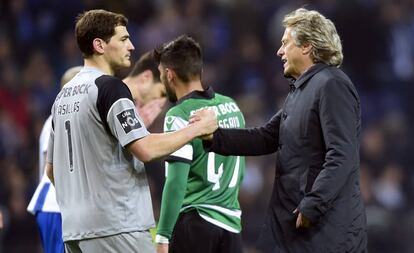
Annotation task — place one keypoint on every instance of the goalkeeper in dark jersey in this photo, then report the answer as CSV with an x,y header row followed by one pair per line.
x,y
200,211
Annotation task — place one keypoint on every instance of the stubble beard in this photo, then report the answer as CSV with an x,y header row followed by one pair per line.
x,y
172,97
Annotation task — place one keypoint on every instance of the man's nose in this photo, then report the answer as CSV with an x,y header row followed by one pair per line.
x,y
279,52
131,46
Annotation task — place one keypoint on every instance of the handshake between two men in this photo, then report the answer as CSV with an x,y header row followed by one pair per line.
x,y
206,120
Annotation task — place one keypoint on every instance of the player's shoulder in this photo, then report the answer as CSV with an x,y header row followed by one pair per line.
x,y
224,98
112,86
178,110
110,82
175,119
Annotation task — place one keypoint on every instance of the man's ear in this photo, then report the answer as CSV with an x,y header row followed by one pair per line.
x,y
306,49
170,74
99,45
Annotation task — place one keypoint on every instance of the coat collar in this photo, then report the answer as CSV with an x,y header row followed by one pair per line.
x,y
308,74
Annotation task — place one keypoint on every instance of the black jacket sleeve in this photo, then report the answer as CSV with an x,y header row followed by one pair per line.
x,y
253,141
339,115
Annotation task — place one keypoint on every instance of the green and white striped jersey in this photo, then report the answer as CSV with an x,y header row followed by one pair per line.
x,y
213,180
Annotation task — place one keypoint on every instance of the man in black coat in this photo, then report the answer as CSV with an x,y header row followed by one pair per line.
x,y
316,205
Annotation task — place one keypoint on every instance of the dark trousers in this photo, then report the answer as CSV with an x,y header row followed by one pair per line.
x,y
194,234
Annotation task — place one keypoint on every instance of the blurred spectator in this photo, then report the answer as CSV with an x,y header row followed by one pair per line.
x,y
43,87
388,189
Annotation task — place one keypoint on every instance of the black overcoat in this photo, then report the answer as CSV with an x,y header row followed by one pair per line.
x,y
316,137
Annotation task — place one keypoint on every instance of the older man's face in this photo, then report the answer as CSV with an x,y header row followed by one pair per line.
x,y
292,56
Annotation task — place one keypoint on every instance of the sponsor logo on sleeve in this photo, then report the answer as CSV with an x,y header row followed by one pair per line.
x,y
173,123
128,120
169,122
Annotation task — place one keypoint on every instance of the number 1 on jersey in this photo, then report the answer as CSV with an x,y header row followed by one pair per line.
x,y
67,128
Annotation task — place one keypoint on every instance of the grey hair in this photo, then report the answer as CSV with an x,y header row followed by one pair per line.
x,y
312,28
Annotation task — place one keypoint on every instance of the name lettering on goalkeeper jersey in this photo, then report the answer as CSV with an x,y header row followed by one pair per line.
x,y
63,109
73,91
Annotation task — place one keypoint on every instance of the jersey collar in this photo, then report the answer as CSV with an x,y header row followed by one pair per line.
x,y
205,94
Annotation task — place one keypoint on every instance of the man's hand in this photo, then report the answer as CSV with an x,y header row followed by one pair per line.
x,y
207,137
151,110
301,220
205,121
162,247
49,172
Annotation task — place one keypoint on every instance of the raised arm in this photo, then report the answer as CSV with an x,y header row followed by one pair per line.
x,y
121,120
154,146
253,141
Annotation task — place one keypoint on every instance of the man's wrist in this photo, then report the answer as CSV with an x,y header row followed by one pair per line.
x,y
193,131
161,239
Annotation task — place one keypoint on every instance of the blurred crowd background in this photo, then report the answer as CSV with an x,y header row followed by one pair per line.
x,y
239,39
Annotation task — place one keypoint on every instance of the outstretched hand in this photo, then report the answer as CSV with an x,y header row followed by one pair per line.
x,y
206,122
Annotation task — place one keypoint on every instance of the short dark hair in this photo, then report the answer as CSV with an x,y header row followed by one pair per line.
x,y
94,24
146,62
183,55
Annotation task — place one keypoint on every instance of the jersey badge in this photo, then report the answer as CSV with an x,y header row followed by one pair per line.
x,y
128,120
169,122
